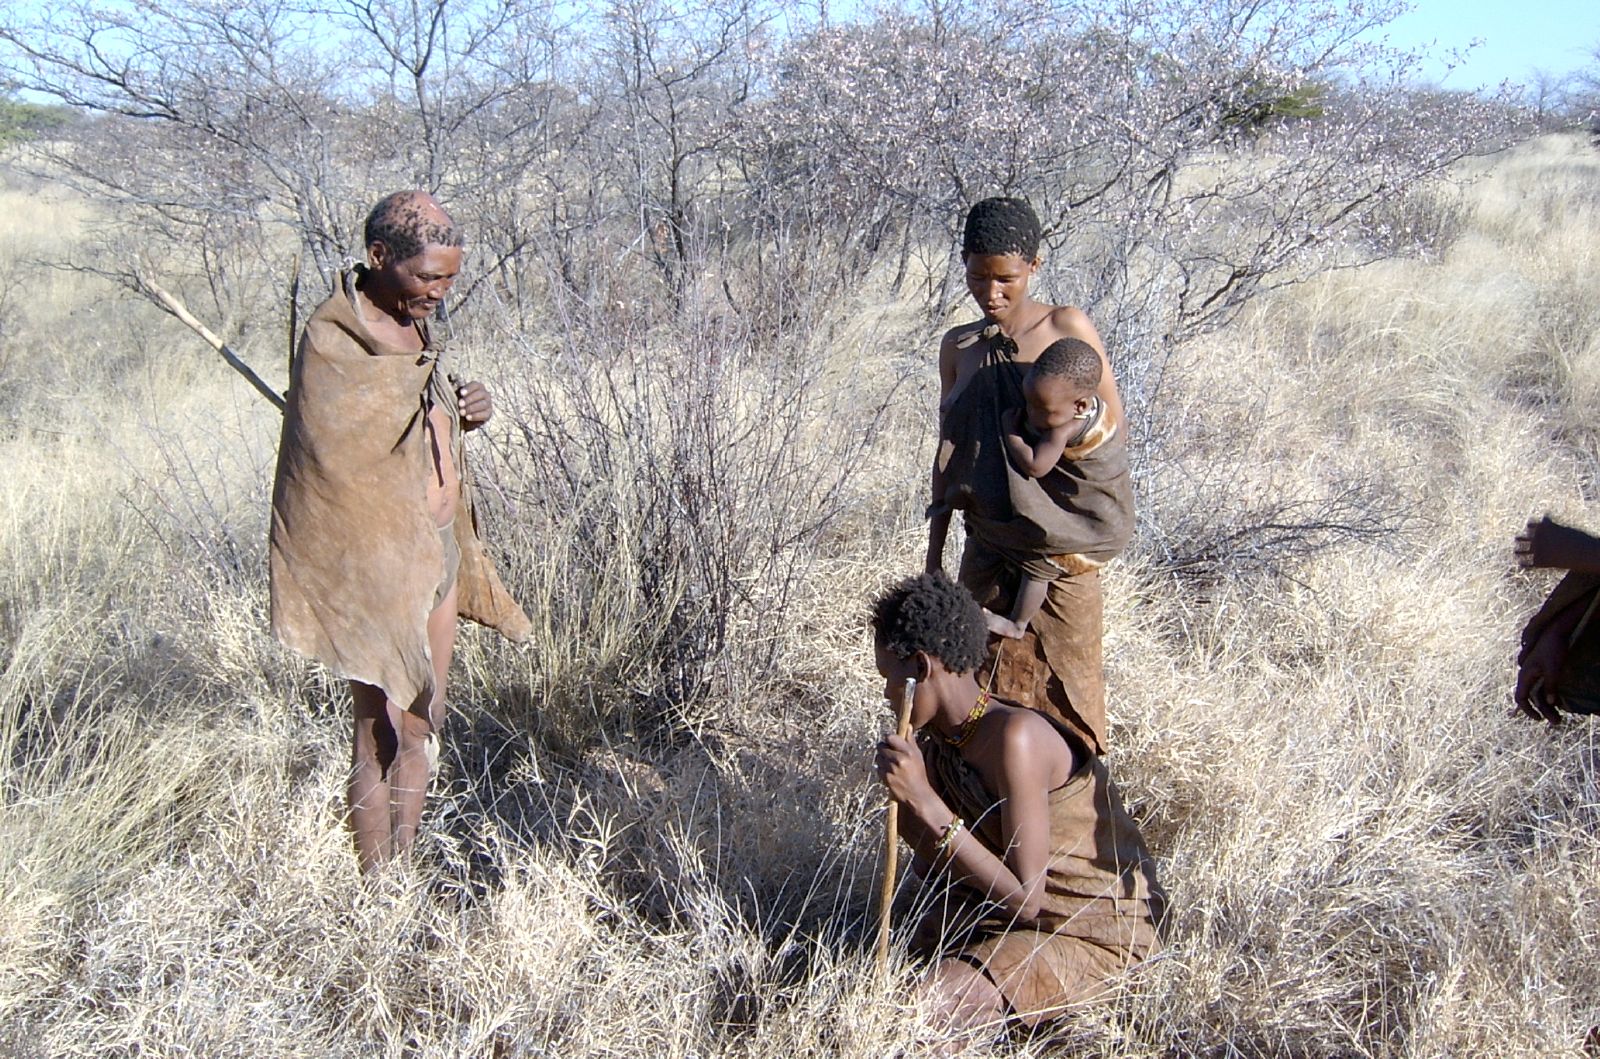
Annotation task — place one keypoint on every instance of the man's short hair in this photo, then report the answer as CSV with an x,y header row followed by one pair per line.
x,y
1002,226
1071,359
931,613
407,222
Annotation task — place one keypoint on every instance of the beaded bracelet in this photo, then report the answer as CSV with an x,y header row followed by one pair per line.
x,y
947,838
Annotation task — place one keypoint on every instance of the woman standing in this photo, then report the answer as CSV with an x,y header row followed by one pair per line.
x,y
1057,666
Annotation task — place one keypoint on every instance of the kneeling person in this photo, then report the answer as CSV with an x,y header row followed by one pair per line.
x,y
1041,888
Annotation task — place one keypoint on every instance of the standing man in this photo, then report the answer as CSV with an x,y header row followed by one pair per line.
x,y
374,549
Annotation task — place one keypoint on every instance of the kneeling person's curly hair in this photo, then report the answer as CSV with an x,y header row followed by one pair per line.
x,y
931,613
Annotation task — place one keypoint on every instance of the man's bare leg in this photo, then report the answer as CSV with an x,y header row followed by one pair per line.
x,y
408,783
389,766
373,748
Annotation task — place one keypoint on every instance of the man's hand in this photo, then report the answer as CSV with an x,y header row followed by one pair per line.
x,y
1547,543
1536,676
475,405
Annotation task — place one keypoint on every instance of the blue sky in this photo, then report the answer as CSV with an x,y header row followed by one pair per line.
x,y
1517,37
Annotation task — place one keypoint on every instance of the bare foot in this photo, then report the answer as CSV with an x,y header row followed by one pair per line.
x,y
1003,626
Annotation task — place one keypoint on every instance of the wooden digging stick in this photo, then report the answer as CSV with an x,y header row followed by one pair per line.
x,y
176,308
891,855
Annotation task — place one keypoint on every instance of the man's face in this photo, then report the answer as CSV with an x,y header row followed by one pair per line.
x,y
998,282
414,287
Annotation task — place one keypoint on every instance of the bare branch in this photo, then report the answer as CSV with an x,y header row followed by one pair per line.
x,y
172,305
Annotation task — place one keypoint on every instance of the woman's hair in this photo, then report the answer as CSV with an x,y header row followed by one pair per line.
x,y
1071,359
931,613
1002,226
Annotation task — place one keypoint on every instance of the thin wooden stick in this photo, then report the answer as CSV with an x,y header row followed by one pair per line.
x,y
294,311
891,856
176,308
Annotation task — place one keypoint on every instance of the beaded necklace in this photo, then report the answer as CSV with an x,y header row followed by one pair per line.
x,y
969,725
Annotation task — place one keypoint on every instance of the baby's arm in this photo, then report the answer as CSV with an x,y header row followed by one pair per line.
x,y
1034,459
1547,543
1030,597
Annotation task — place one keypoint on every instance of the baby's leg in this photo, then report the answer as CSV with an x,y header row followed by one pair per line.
x,y
1030,597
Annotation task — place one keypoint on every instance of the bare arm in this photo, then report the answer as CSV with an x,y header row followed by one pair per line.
x,y
938,526
922,843
1034,459
938,511
903,772
949,361
1547,543
1021,773
1021,776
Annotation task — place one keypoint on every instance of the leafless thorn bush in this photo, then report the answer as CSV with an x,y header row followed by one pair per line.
x,y
678,481
1424,223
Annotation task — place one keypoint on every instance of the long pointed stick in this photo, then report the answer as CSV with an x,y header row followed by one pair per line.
x,y
176,308
892,828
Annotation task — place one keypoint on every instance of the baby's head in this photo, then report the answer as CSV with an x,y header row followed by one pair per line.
x,y
1060,385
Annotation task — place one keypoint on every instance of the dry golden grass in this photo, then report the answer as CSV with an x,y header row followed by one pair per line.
x,y
1367,856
